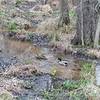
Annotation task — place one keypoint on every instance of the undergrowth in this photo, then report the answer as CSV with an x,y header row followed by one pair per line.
x,y
83,89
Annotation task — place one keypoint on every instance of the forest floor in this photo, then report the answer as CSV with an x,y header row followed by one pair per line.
x,y
37,60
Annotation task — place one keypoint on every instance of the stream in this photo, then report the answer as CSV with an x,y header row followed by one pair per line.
x,y
32,65
27,70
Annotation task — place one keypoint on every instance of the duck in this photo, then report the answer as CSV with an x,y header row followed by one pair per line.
x,y
63,62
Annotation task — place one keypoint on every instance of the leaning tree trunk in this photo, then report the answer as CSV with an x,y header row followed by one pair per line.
x,y
64,13
86,22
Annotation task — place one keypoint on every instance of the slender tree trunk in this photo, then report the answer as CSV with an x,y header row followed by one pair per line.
x,y
82,35
97,35
64,13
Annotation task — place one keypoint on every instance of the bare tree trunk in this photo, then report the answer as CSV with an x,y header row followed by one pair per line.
x,y
97,35
82,35
64,13
89,23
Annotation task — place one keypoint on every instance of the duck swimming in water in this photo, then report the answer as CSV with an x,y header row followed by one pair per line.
x,y
62,62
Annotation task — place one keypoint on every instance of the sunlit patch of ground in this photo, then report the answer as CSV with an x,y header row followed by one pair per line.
x,y
94,52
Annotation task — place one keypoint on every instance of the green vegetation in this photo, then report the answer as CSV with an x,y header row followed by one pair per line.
x,y
74,85
77,89
87,70
72,13
70,85
51,95
18,2
87,78
2,13
12,26
78,95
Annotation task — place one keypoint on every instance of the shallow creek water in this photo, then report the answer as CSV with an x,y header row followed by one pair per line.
x,y
42,57
20,60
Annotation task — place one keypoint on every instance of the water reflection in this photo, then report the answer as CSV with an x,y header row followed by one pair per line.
x,y
26,53
14,47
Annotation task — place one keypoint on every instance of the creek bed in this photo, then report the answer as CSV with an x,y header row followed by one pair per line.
x,y
29,70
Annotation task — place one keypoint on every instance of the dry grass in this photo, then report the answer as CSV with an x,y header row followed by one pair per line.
x,y
27,70
51,26
94,52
